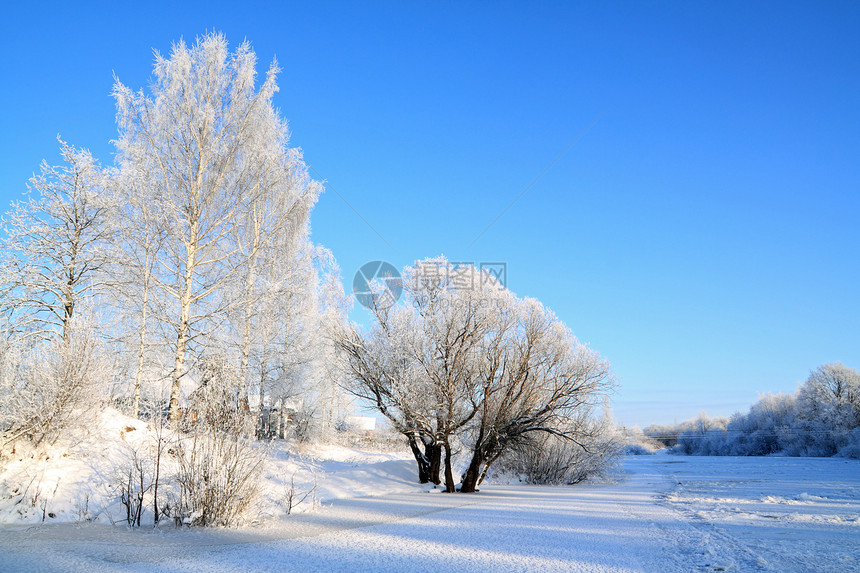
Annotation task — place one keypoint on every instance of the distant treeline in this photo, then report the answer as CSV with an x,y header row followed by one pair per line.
x,y
821,419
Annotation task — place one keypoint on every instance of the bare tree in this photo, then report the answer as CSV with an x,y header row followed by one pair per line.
x,y
534,377
828,409
837,387
463,357
323,318
54,246
417,364
54,254
274,318
381,372
454,308
271,238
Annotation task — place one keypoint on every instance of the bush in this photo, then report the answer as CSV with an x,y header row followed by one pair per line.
x,y
665,435
637,450
50,389
821,419
852,448
219,466
549,459
218,475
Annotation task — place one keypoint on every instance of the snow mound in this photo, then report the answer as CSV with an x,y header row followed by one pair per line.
x,y
75,479
81,477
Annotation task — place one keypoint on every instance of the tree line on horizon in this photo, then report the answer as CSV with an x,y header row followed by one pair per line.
x,y
822,418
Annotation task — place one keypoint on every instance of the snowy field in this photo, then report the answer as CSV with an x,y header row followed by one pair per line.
x,y
665,513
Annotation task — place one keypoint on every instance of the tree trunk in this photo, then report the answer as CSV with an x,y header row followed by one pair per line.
x,y
251,279
135,407
434,454
179,360
421,459
141,351
487,465
282,419
155,516
69,294
450,486
182,334
470,480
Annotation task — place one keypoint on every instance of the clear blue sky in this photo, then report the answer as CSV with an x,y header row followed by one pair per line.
x,y
703,234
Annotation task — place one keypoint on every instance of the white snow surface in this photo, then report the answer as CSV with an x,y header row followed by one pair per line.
x,y
663,514
80,478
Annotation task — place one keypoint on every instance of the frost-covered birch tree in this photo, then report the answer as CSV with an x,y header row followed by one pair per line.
x,y
133,269
273,239
215,156
291,357
54,254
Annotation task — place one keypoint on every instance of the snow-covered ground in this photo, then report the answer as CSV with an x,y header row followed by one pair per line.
x,y
666,514
81,478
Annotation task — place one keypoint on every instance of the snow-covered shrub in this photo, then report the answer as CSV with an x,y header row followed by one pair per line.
x,y
51,389
764,429
293,495
219,464
852,448
821,419
381,438
135,479
140,466
638,444
638,450
218,476
543,458
305,427
666,435
703,436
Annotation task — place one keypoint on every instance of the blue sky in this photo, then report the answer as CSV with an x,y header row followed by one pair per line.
x,y
697,225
